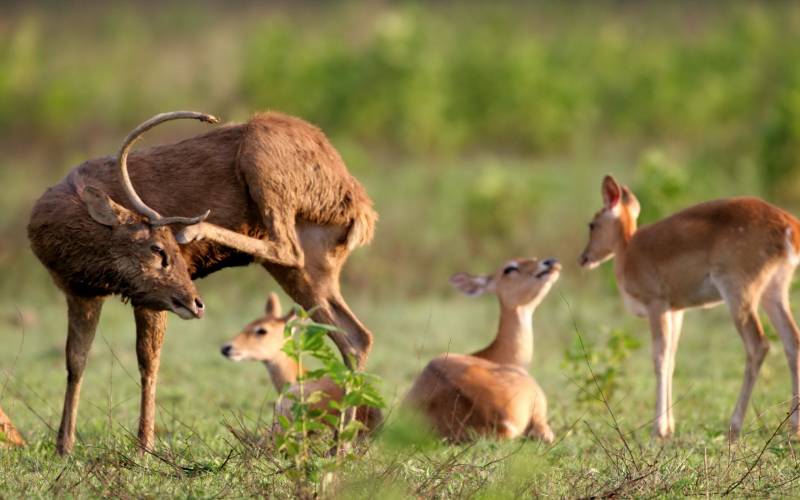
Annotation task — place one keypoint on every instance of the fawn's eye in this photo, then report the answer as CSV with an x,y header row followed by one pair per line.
x,y
510,269
261,330
159,250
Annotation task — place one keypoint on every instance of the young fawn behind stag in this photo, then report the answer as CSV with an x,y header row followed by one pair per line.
x,y
490,392
741,251
263,340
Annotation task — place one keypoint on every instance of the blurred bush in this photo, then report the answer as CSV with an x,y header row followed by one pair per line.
x,y
451,77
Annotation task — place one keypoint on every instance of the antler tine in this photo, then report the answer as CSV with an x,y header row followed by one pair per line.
x,y
122,159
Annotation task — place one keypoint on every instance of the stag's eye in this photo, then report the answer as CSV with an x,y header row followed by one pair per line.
x,y
510,269
159,250
261,330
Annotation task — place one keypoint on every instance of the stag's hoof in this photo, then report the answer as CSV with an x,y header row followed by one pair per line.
x,y
188,234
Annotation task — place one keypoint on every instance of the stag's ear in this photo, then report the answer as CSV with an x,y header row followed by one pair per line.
x,y
102,208
611,192
472,285
273,307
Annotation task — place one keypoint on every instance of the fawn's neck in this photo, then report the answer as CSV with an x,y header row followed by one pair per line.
x,y
282,370
513,344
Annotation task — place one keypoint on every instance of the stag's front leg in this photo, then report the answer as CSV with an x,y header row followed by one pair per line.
x,y
83,315
150,328
660,329
264,250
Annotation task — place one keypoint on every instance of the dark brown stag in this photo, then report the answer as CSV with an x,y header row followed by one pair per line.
x,y
272,190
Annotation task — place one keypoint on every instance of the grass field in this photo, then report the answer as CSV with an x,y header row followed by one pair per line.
x,y
481,133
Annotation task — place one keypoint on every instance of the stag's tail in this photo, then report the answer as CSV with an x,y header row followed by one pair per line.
x,y
362,227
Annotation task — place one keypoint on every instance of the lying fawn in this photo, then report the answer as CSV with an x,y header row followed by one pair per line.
x,y
263,340
741,251
490,392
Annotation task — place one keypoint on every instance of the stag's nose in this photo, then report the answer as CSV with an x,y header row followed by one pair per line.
x,y
226,350
198,302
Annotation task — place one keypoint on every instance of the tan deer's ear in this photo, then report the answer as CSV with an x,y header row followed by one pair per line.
x,y
471,285
631,202
273,307
102,208
611,192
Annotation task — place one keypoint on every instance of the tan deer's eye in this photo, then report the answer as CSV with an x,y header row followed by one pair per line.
x,y
261,330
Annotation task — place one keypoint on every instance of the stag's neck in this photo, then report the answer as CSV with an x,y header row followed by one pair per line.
x,y
282,370
513,344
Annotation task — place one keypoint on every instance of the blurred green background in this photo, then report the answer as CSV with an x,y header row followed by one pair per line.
x,y
475,128
481,132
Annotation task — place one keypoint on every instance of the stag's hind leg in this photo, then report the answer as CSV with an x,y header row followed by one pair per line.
x,y
150,328
83,315
776,303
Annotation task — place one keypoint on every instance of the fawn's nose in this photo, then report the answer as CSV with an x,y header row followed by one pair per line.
x,y
226,350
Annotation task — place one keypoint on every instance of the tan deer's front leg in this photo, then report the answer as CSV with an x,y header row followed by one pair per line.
x,y
83,315
674,338
264,250
660,329
150,328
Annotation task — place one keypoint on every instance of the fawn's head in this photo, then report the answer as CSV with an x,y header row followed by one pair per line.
x,y
517,283
262,339
612,224
140,253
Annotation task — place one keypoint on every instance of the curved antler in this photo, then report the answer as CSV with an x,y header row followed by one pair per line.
x,y
122,160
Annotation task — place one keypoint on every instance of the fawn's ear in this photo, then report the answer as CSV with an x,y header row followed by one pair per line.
x,y
273,307
292,314
102,208
611,192
472,285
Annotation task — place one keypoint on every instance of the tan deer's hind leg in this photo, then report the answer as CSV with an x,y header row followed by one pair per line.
x,y
675,336
776,303
150,328
660,329
742,304
83,314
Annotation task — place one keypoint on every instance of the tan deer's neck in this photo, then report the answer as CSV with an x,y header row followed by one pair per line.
x,y
282,370
513,344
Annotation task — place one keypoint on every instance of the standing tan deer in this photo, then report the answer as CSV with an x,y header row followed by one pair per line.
x,y
741,251
263,340
272,190
490,392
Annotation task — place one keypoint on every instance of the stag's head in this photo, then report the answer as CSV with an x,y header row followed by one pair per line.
x,y
262,339
517,283
147,262
611,224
